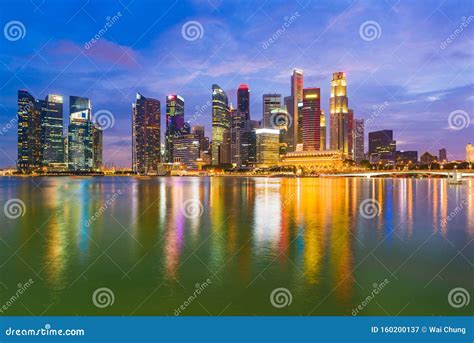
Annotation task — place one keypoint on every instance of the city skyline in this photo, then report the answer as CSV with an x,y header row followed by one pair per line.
x,y
421,86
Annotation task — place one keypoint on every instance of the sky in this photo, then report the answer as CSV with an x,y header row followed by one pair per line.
x,y
409,64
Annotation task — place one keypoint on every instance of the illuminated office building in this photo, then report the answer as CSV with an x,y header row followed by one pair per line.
x,y
443,155
350,132
297,98
358,140
469,152
338,114
280,120
311,119
52,130
199,131
146,115
243,101
270,102
237,130
322,130
382,147
175,125
97,136
268,147
29,132
186,150
220,126
249,143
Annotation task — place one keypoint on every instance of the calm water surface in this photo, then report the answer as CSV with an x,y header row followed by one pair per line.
x,y
251,236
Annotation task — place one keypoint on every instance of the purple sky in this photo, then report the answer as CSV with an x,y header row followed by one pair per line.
x,y
410,63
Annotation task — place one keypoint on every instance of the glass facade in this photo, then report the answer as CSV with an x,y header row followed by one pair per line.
x,y
311,120
52,130
175,125
338,114
146,116
220,125
80,142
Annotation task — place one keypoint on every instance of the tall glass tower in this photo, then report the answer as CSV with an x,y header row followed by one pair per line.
x,y
174,123
146,116
311,122
29,132
338,112
297,97
243,101
80,135
220,124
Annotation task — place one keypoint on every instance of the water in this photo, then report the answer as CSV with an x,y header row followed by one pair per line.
x,y
251,236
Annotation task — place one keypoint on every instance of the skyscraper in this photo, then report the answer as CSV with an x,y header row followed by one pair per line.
x,y
268,146
358,140
469,153
175,125
338,114
237,129
29,132
97,135
146,115
220,123
200,133
311,119
382,147
280,120
443,155
323,131
52,130
80,142
297,97
288,104
350,131
243,101
249,143
270,102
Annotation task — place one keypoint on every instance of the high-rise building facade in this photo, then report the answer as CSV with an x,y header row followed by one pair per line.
x,y
237,130
289,106
323,131
186,150
358,140
350,132
80,143
382,147
200,132
52,130
146,116
98,134
297,97
175,125
338,114
270,102
243,101
311,119
268,146
29,133
281,122
443,155
469,152
249,143
220,125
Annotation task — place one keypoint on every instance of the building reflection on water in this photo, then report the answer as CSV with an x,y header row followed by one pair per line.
x,y
311,228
